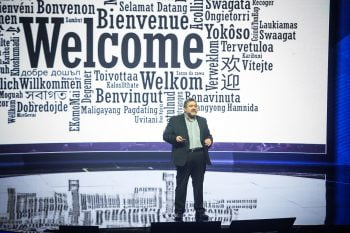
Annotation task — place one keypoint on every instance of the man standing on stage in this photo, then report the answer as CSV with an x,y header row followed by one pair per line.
x,y
190,138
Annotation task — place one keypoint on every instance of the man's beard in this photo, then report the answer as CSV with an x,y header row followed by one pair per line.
x,y
192,114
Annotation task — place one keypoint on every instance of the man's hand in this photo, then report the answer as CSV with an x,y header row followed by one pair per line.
x,y
207,142
180,139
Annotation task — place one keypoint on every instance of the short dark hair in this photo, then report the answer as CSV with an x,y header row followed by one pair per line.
x,y
188,100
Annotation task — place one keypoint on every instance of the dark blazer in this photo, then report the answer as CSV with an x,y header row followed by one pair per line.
x,y
177,127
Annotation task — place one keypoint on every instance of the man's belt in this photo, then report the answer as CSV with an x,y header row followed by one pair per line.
x,y
196,149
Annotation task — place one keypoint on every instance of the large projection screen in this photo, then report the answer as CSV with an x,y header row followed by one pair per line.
x,y
107,75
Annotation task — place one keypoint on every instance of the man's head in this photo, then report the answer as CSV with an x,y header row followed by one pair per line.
x,y
190,107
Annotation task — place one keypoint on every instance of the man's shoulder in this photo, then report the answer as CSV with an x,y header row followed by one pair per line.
x,y
176,118
181,117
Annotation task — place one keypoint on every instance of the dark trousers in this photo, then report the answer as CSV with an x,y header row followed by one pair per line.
x,y
194,167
